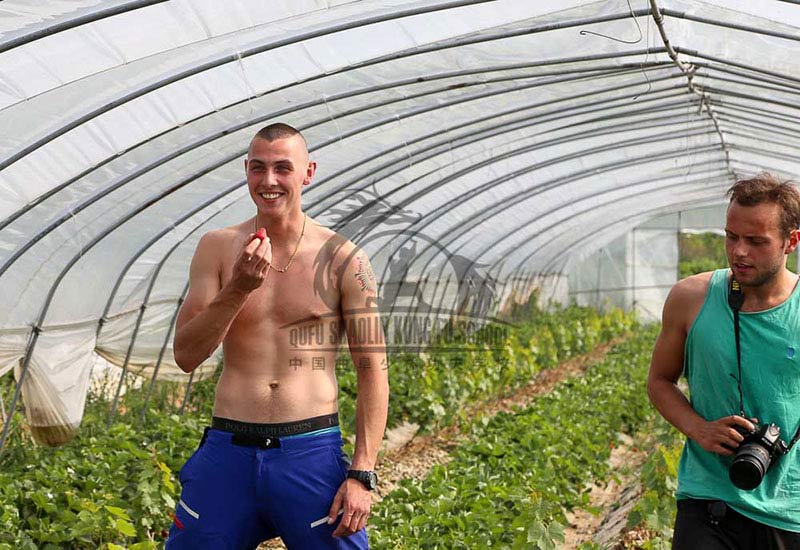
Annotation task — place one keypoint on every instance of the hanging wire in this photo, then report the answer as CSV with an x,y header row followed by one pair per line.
x,y
584,32
251,91
689,70
646,56
332,117
2,407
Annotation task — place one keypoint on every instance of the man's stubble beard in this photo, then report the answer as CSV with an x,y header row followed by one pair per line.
x,y
765,278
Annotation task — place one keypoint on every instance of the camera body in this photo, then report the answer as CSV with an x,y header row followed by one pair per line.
x,y
755,455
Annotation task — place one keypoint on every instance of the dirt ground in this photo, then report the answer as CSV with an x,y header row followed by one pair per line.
x,y
611,501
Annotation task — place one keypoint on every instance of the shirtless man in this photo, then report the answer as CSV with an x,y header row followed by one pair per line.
x,y
271,464
698,340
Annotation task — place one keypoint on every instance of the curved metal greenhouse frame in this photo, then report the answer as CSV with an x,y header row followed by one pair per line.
x,y
514,136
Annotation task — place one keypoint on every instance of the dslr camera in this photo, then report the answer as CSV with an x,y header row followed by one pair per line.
x,y
755,455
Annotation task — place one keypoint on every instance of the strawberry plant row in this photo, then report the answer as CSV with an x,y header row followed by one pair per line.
x,y
509,485
431,388
106,486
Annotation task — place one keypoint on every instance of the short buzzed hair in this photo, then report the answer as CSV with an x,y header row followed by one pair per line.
x,y
766,188
278,130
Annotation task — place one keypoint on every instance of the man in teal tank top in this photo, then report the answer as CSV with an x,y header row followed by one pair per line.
x,y
697,340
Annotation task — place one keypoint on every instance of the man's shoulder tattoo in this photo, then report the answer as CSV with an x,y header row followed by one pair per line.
x,y
365,276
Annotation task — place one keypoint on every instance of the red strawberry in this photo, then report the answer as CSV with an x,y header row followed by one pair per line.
x,y
261,234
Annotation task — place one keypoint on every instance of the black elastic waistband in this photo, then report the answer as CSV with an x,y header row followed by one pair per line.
x,y
717,509
281,429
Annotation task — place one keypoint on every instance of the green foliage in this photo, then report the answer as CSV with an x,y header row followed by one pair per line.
x,y
507,486
431,388
701,252
116,487
655,510
107,488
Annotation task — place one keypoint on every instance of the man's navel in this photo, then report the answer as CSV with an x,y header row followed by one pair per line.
x,y
274,385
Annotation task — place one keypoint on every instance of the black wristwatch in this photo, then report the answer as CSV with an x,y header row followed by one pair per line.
x,y
367,478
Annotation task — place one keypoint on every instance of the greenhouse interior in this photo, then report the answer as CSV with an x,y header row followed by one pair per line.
x,y
535,166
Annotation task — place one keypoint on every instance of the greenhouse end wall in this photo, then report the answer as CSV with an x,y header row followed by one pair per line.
x,y
637,270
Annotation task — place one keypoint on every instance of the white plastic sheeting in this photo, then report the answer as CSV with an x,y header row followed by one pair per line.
x,y
635,271
489,140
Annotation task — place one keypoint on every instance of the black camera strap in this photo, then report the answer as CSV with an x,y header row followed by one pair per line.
x,y
736,301
794,439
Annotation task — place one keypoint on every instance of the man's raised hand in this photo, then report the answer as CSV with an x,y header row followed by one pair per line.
x,y
252,266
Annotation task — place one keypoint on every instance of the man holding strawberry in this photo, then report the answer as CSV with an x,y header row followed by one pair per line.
x,y
271,463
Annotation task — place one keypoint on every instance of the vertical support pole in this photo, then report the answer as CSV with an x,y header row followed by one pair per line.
x,y
34,336
113,410
188,391
444,292
529,287
503,294
424,282
678,236
161,353
598,281
633,268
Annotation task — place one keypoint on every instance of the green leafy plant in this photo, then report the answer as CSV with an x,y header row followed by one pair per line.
x,y
106,487
509,484
431,388
655,509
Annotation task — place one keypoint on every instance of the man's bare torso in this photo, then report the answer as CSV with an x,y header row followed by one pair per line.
x,y
271,372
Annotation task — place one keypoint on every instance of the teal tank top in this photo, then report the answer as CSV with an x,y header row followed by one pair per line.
x,y
770,347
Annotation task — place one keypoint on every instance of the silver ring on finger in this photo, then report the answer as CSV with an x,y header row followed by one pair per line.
x,y
249,258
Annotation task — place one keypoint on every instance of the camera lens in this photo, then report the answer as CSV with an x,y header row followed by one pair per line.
x,y
749,466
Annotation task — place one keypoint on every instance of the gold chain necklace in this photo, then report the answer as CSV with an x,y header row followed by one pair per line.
x,y
296,246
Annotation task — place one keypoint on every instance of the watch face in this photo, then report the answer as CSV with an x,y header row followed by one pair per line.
x,y
369,479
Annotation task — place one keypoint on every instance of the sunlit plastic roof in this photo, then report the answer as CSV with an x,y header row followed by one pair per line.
x,y
512,133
